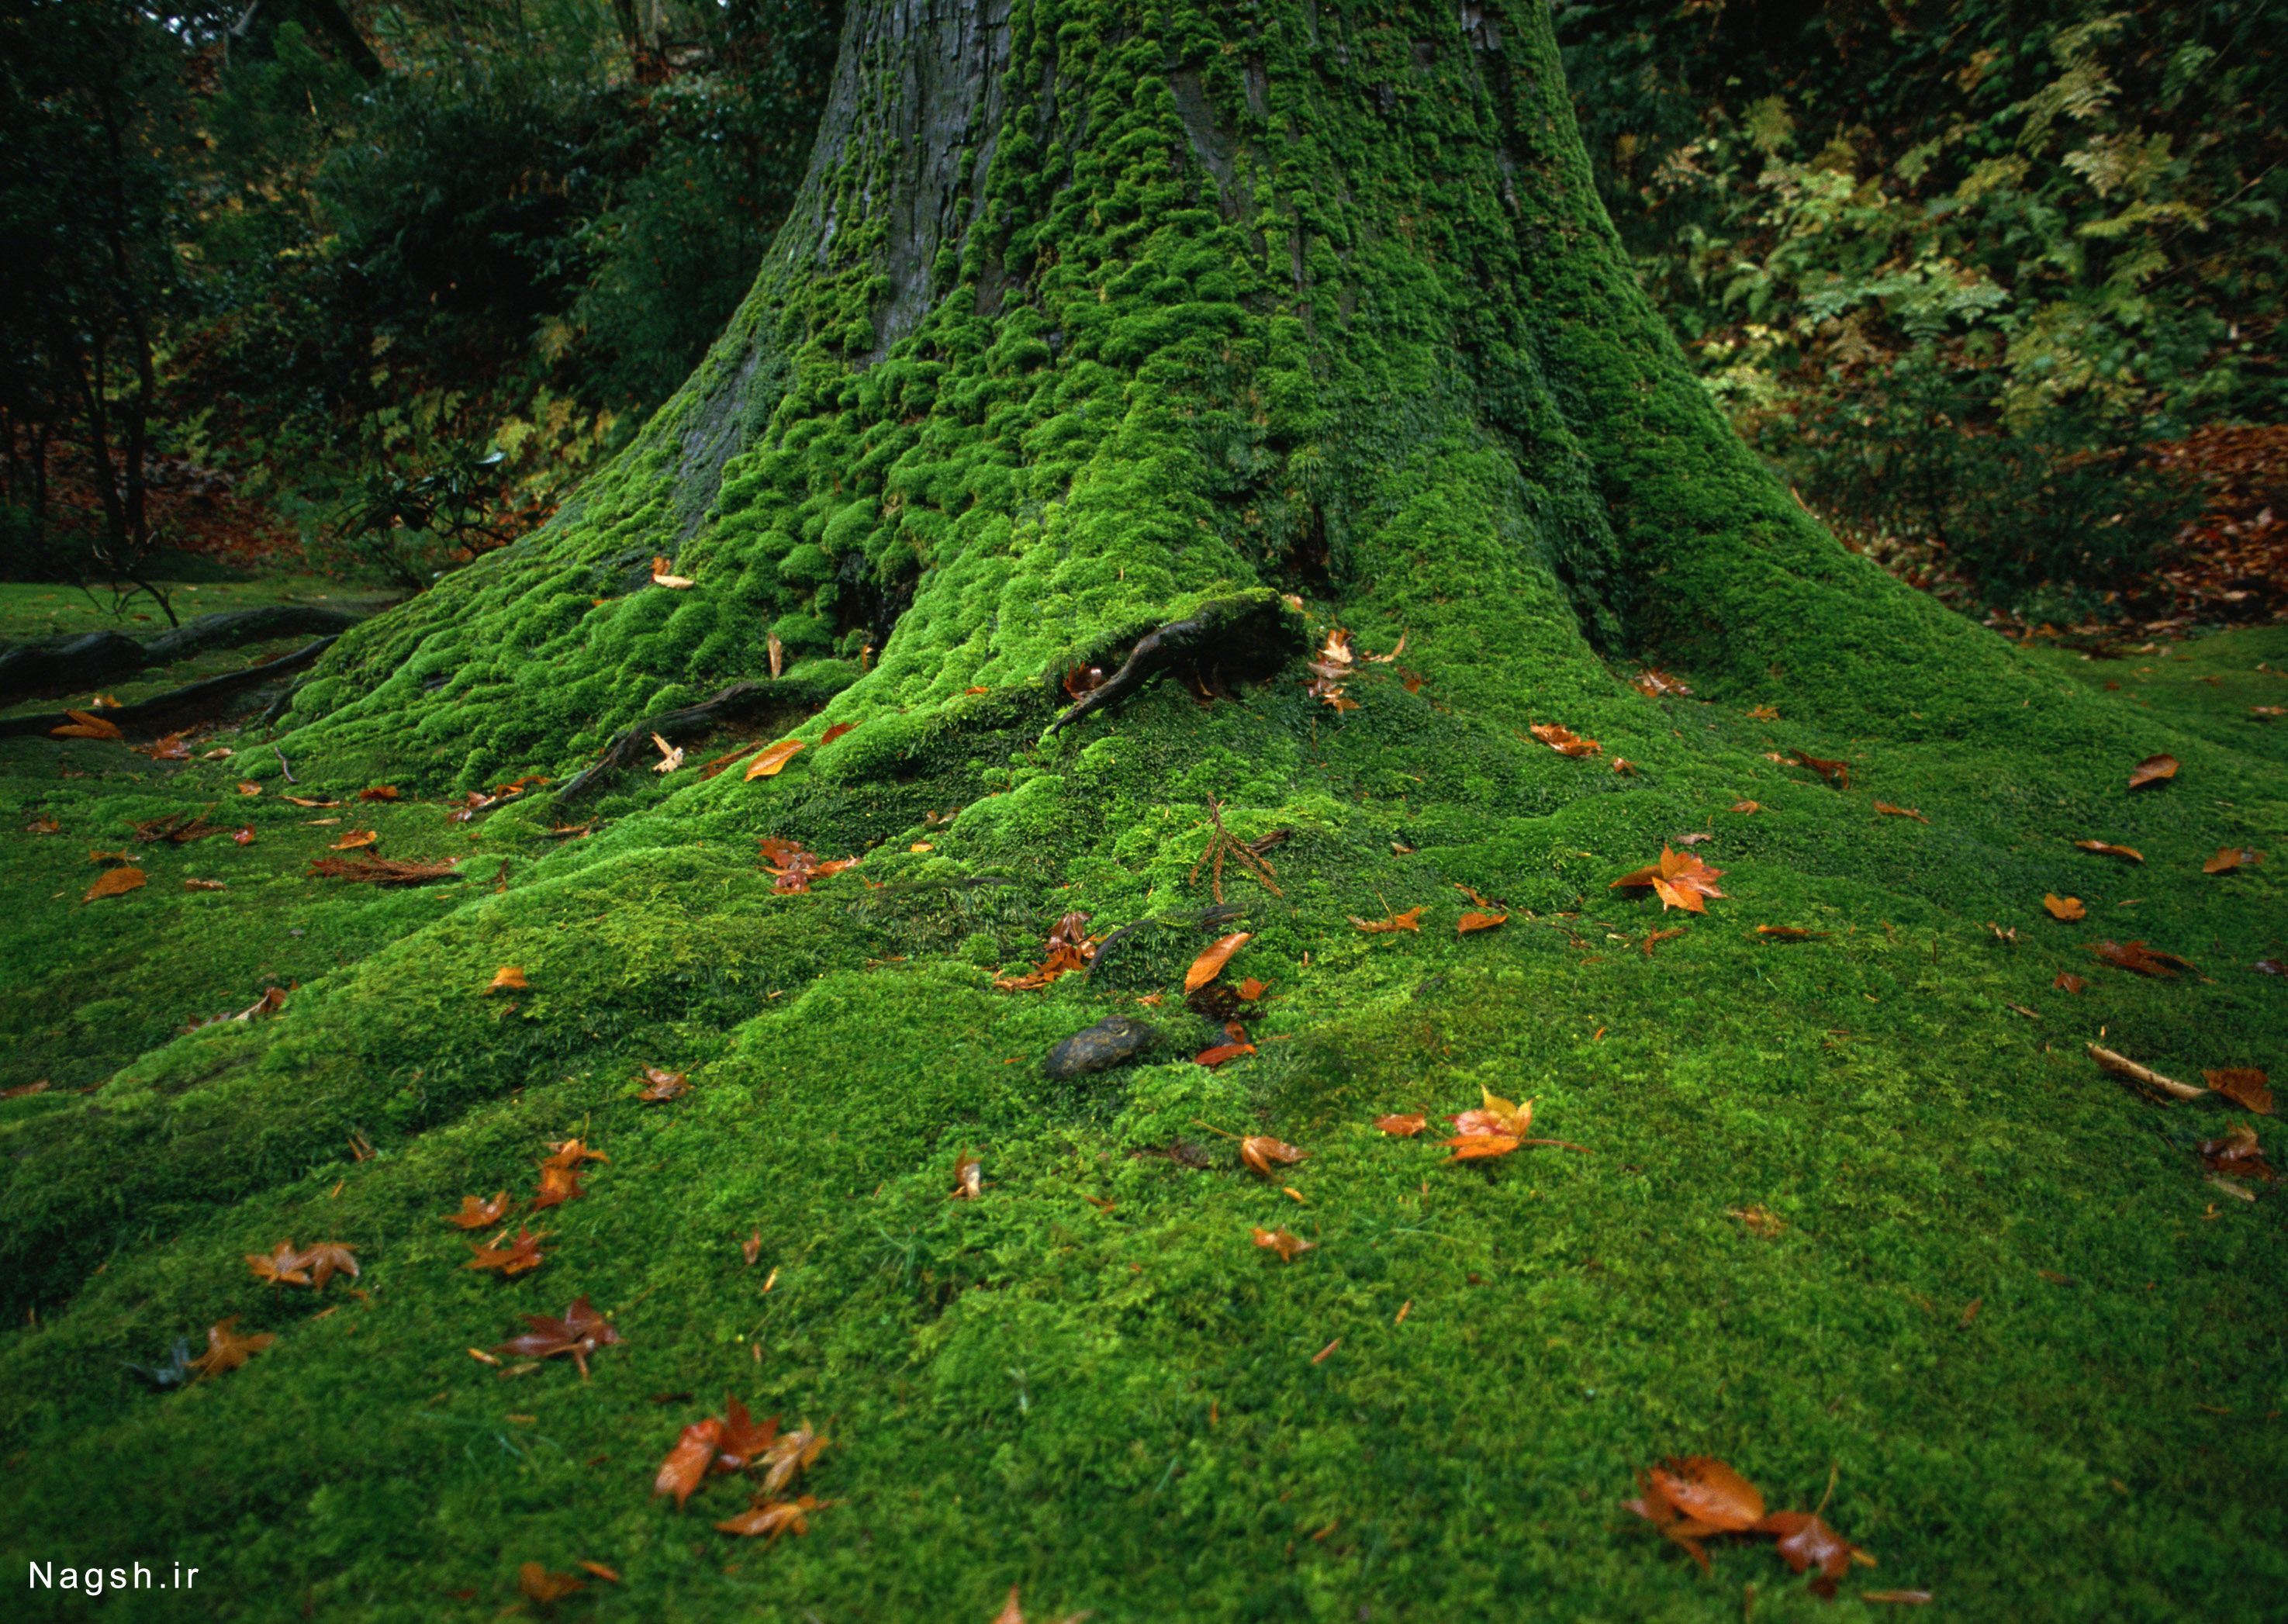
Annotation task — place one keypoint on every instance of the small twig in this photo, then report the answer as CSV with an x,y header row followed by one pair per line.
x,y
283,767
2142,1075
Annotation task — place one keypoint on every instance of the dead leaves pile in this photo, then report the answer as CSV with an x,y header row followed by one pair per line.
x,y
794,868
736,1443
1068,948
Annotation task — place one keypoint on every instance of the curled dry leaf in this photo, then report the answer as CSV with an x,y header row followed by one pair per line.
x,y
2069,982
1747,807
1404,1126
662,574
968,1177
1654,937
558,1186
1806,1543
1259,1151
661,1085
2243,1085
793,869
1759,1221
1564,741
767,764
522,1255
2131,853
356,838
327,1259
508,979
114,882
1289,1247
82,726
686,1466
2136,956
2152,770
1222,1052
1890,810
788,1455
2238,1153
1218,953
1410,920
376,792
544,1586
774,1517
2229,858
203,885
475,1213
1473,921
1658,685
670,755
2063,907
1010,1612
1835,773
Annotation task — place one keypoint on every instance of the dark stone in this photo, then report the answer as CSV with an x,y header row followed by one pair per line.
x,y
1114,1041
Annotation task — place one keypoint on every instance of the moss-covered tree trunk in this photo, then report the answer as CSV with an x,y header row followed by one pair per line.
x,y
1090,314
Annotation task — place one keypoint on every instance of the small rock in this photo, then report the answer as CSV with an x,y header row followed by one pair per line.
x,y
1114,1041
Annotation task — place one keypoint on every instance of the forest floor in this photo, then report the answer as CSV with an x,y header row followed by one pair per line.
x,y
1852,1209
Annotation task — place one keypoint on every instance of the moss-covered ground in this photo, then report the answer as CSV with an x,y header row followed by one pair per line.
x,y
1431,1415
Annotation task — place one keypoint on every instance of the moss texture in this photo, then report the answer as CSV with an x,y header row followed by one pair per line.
x,y
1326,307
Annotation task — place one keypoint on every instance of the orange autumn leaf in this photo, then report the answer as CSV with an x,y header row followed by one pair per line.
x,y
544,1586
1680,879
1011,1614
572,1152
609,1575
1288,1246
1564,741
558,1186
746,1442
767,764
2229,858
686,1466
82,726
1835,773
1747,807
475,1213
834,731
1251,989
2067,981
662,574
1222,1052
2243,1085
524,1254
226,1349
661,1085
1473,921
1410,920
2138,957
113,881
1259,1151
774,1517
375,792
282,1266
508,979
327,1259
1205,966
1402,1126
2152,770
1890,810
2063,907
356,838
2131,853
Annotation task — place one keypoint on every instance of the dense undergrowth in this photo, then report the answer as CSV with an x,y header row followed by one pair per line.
x,y
1120,1409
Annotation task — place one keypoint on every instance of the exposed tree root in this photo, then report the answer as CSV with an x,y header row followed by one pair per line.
x,y
1235,639
103,657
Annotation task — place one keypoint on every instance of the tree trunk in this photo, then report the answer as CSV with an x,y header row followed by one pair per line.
x,y
1083,321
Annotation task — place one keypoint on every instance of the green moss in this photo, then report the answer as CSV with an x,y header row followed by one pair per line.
x,y
1453,422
